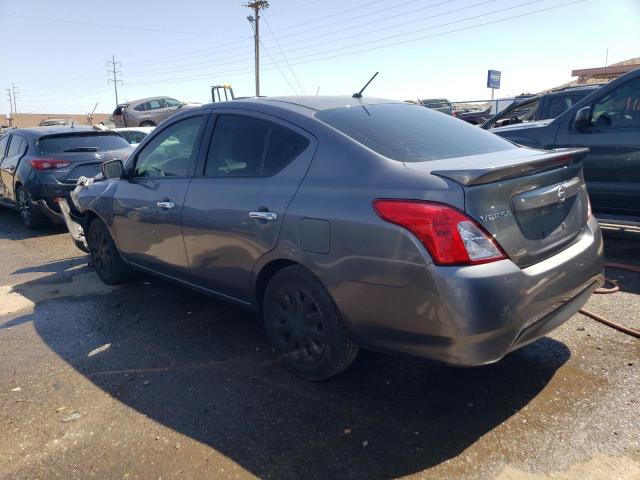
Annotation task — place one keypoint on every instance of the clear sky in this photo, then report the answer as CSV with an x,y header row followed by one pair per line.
x,y
56,51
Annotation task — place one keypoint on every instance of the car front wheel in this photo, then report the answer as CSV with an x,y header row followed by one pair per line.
x,y
304,325
105,257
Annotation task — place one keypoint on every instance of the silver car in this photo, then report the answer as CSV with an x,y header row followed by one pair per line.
x,y
146,112
352,223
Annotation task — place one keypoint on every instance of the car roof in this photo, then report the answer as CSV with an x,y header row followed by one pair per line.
x,y
304,104
142,100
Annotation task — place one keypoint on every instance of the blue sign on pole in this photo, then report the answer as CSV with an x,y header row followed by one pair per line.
x,y
493,79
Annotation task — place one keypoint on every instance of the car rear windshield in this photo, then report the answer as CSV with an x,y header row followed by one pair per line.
x,y
90,140
411,133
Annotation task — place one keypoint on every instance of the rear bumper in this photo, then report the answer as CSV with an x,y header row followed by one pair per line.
x,y
475,315
49,212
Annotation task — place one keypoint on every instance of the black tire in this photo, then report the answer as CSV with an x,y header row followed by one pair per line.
x,y
147,124
105,258
30,213
304,325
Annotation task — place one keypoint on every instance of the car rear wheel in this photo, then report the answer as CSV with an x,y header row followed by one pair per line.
x,y
105,257
147,124
304,325
30,213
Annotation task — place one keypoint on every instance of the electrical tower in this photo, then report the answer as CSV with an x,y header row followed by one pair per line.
x,y
10,99
13,91
114,72
256,6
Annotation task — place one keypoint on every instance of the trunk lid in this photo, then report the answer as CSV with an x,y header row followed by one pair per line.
x,y
85,164
533,202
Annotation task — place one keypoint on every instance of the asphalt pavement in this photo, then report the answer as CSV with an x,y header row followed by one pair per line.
x,y
150,380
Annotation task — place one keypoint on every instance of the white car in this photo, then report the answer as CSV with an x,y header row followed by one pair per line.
x,y
134,135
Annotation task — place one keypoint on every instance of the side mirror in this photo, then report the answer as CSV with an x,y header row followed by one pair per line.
x,y
582,120
112,169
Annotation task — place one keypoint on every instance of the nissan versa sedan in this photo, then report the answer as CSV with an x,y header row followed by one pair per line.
x,y
351,223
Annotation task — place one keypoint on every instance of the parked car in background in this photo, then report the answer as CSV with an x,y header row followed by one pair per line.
x,y
439,104
52,122
608,122
352,223
41,164
474,117
134,135
146,112
540,107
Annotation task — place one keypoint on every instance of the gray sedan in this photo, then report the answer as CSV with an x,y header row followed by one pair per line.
x,y
352,223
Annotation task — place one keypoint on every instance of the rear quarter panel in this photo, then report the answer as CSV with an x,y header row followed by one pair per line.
x,y
339,189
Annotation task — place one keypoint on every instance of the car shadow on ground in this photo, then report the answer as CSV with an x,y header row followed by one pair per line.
x,y
204,368
13,229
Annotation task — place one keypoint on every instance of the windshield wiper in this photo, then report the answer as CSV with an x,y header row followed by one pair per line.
x,y
81,149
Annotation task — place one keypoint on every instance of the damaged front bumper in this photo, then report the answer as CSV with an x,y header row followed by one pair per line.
x,y
75,223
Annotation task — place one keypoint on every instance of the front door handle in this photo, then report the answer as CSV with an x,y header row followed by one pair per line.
x,y
165,205
268,216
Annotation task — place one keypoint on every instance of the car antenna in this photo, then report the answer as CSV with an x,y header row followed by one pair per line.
x,y
359,94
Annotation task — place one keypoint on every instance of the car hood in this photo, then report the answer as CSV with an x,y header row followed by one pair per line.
x,y
521,126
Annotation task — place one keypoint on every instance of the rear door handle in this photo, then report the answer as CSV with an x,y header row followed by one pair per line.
x,y
165,205
268,216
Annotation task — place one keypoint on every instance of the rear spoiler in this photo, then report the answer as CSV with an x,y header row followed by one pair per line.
x,y
528,166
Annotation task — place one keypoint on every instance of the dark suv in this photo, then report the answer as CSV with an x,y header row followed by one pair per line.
x,y
541,107
608,122
39,165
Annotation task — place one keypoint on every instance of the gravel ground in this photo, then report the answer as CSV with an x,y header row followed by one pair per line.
x,y
150,380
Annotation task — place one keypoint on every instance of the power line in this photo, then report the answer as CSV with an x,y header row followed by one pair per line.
x,y
357,35
402,42
156,60
131,28
115,72
286,79
208,64
284,56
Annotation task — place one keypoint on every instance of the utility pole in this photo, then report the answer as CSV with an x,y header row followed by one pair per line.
x,y
13,90
115,72
256,6
10,99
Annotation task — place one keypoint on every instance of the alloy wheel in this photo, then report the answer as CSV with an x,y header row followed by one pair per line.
x,y
101,252
24,206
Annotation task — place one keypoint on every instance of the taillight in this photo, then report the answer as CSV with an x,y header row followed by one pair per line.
x,y
451,237
48,164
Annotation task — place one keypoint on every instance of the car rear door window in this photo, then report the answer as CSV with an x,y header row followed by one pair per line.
x,y
154,104
3,145
171,152
410,133
237,146
172,102
620,108
17,146
283,146
244,146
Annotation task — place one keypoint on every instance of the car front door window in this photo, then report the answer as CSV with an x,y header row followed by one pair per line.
x,y
154,105
170,153
620,108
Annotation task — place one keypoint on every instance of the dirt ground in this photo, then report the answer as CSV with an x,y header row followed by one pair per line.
x,y
149,380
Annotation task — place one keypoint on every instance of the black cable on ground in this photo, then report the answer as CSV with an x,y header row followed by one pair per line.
x,y
615,288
